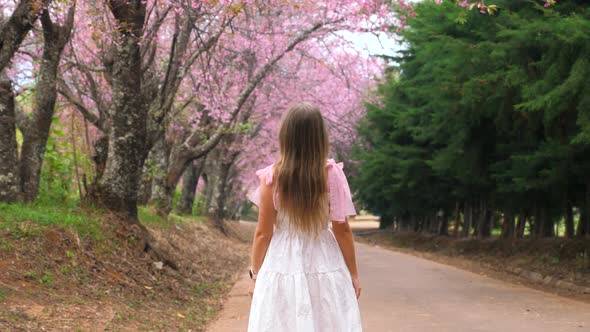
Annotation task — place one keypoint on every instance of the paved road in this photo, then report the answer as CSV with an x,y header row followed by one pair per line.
x,y
404,293
407,293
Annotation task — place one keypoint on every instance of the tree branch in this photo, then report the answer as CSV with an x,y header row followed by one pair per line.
x,y
13,32
65,91
202,149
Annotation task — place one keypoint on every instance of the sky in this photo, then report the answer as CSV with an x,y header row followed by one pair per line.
x,y
370,44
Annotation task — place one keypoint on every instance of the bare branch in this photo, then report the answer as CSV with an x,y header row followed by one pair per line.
x,y
65,91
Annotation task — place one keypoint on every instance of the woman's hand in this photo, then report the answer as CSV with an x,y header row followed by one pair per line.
x,y
357,286
251,287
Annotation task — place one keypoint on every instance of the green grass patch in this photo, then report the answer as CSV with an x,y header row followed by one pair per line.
x,y
149,216
46,279
204,308
7,247
209,289
3,294
73,218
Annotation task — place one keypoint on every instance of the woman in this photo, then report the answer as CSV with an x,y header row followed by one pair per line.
x,y
304,274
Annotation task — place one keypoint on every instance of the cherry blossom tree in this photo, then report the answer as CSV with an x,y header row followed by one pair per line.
x,y
262,38
143,69
327,73
35,127
172,36
338,83
57,21
117,187
14,30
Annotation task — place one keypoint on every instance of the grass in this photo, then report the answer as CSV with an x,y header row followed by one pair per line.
x,y
6,246
3,293
214,289
13,214
204,309
69,216
46,279
148,216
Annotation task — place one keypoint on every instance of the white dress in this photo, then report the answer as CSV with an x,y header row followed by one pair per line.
x,y
304,284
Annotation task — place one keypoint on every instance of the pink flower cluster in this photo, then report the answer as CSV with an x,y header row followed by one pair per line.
x,y
484,9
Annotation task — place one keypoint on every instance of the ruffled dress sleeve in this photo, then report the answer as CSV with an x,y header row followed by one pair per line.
x,y
341,205
267,172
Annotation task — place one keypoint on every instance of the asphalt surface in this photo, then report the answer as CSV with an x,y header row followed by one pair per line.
x,y
402,292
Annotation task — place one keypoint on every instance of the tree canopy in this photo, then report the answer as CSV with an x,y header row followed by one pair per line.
x,y
484,116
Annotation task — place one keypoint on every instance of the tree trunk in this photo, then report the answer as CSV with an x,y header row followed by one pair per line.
x,y
444,225
584,223
540,222
100,155
481,220
543,225
569,220
212,190
436,223
535,222
19,24
520,225
8,146
190,180
211,175
488,222
427,221
145,185
217,211
468,219
12,33
408,222
386,221
415,223
508,229
36,130
162,186
168,171
210,186
457,221
119,184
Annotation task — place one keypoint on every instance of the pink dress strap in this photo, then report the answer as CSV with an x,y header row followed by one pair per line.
x,y
266,172
341,205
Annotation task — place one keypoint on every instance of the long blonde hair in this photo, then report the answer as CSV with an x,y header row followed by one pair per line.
x,y
300,171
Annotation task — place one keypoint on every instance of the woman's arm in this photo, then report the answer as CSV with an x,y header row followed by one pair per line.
x,y
264,228
343,235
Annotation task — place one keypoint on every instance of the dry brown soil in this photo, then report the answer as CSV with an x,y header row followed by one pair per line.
x,y
52,280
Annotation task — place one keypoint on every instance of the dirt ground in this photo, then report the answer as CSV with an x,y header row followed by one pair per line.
x,y
51,280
